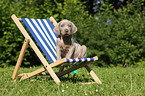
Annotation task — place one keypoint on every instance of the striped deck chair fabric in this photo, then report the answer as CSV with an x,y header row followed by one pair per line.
x,y
42,31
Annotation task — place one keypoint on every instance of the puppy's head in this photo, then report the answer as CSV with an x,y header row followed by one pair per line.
x,y
65,28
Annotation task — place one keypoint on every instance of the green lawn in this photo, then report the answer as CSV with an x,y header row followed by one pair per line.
x,y
115,81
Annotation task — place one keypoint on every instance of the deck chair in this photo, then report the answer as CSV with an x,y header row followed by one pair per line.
x,y
42,31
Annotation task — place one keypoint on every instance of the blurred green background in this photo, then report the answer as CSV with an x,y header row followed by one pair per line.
x,y
113,30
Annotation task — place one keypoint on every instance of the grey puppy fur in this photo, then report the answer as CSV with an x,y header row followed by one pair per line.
x,y
66,46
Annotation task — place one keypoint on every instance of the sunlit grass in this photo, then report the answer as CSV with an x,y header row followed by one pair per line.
x,y
115,81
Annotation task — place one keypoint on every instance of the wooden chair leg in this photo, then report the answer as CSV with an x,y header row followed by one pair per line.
x,y
94,76
18,64
36,50
72,69
61,68
28,75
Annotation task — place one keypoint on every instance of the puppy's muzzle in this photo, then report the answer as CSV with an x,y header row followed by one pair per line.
x,y
66,30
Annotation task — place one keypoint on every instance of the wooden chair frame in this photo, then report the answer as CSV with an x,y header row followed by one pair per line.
x,y
47,66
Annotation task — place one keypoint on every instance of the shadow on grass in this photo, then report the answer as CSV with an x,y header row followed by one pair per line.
x,y
74,79
66,78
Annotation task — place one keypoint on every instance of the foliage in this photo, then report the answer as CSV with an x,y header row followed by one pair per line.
x,y
11,40
117,37
124,35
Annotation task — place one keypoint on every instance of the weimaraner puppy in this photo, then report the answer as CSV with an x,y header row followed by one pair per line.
x,y
66,46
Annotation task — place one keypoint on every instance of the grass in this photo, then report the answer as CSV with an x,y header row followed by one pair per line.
x,y
115,82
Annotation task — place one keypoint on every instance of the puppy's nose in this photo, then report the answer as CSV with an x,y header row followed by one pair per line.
x,y
66,30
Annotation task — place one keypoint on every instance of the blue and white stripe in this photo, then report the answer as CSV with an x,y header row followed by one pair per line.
x,y
79,60
42,31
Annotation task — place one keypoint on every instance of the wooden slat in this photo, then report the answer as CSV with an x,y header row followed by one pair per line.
x,y
58,62
53,21
36,50
73,68
83,64
95,58
94,76
27,75
20,75
61,68
19,61
19,19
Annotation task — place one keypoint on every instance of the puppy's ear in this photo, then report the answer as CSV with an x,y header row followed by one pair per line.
x,y
74,28
56,29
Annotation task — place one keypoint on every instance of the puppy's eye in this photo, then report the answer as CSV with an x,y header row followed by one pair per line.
x,y
61,25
